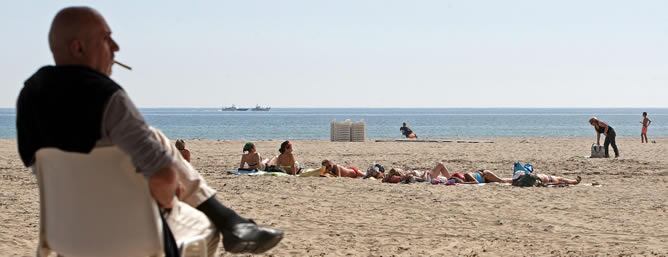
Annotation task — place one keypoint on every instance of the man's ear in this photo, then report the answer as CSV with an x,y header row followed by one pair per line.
x,y
76,48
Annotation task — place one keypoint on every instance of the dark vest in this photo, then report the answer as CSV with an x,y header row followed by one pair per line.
x,y
62,107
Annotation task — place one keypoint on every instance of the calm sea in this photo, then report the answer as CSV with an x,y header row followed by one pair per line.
x,y
384,123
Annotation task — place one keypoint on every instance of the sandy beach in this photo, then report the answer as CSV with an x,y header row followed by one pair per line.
x,y
625,216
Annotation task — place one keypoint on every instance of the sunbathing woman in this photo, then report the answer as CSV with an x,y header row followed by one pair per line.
x,y
484,176
528,180
333,170
396,175
286,160
250,159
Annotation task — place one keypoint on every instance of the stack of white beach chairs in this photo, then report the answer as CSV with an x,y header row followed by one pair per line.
x,y
347,131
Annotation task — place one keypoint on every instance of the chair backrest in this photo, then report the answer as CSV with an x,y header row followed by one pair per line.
x,y
95,205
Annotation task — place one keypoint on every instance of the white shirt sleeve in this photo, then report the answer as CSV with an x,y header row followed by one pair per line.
x,y
124,126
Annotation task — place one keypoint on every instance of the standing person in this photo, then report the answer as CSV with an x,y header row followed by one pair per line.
x,y
407,132
645,123
181,146
603,128
74,106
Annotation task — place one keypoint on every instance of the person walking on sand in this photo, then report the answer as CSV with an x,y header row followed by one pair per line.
x,y
407,132
603,128
645,123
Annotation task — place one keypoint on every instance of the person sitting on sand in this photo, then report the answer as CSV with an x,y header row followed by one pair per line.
x,y
181,146
250,159
407,132
331,169
528,180
286,160
396,175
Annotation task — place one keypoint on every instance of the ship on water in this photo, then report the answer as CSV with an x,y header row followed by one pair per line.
x,y
260,108
233,108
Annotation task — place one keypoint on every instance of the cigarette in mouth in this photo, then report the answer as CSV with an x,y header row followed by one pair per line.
x,y
123,65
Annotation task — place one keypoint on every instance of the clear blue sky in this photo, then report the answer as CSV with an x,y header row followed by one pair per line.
x,y
366,53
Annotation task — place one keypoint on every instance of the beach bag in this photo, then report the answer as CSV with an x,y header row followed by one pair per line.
x,y
527,180
374,170
520,169
597,151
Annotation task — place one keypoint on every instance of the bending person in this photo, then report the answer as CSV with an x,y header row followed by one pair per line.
x,y
407,132
603,128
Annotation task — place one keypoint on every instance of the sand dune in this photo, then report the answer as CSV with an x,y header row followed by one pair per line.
x,y
354,217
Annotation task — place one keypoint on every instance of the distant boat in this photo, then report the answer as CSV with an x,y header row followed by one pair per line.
x,y
229,108
260,108
233,108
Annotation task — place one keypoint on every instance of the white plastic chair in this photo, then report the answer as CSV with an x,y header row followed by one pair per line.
x,y
98,205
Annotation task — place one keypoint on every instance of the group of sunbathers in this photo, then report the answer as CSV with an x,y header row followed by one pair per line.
x,y
441,175
285,162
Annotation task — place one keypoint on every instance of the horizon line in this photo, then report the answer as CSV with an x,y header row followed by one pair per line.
x,y
405,107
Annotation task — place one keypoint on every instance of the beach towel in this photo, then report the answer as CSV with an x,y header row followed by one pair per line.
x,y
313,172
256,173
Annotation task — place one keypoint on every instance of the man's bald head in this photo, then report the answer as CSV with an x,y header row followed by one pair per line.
x,y
81,36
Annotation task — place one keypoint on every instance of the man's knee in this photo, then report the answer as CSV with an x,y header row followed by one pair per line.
x,y
186,222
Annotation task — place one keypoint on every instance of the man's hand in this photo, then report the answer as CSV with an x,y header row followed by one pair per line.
x,y
163,185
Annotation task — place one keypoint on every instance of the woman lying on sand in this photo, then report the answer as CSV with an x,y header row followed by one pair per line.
x,y
250,159
529,180
333,170
484,176
480,176
396,175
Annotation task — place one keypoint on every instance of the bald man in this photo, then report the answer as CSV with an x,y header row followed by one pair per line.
x,y
75,106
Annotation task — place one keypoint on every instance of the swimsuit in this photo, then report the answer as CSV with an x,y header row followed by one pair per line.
x,y
357,172
550,179
478,177
459,175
